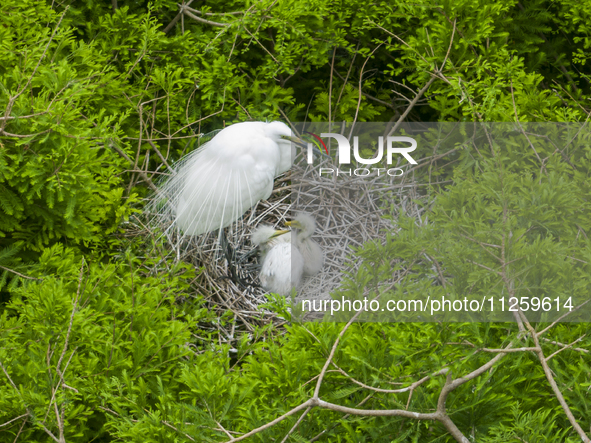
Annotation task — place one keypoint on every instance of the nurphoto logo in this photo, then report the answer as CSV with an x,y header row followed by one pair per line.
x,y
344,154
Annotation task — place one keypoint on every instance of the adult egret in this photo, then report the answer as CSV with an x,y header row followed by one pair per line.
x,y
216,184
305,225
283,264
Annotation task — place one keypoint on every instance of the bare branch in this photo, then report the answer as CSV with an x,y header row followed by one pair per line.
x,y
411,105
297,423
274,422
412,386
376,412
14,419
189,13
165,423
521,128
566,347
554,386
562,344
360,87
21,275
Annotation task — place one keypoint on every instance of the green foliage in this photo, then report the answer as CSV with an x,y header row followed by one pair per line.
x,y
85,335
538,426
56,181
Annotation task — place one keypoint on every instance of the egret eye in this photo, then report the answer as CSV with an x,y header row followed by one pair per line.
x,y
293,139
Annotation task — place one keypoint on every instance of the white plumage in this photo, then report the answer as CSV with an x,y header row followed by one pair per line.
x,y
305,225
265,237
216,184
283,264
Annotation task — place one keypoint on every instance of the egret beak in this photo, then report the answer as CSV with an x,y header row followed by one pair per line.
x,y
294,224
278,233
298,141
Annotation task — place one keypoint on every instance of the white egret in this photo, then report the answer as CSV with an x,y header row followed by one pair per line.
x,y
305,225
216,184
265,237
283,264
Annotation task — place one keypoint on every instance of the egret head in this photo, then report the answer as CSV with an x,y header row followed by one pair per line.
x,y
282,135
279,130
304,223
264,234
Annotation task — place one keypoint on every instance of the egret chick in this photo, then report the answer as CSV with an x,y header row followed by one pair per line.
x,y
265,237
283,264
216,184
305,225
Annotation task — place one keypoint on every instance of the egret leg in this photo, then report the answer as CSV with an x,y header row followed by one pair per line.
x,y
247,255
230,255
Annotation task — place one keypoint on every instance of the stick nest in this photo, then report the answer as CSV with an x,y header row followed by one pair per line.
x,y
349,211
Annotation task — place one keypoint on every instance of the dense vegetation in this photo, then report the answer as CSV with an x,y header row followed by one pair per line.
x,y
101,340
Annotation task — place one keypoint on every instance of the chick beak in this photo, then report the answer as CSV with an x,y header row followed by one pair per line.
x,y
279,232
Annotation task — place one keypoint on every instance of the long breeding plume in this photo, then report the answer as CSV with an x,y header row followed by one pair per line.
x,y
215,185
